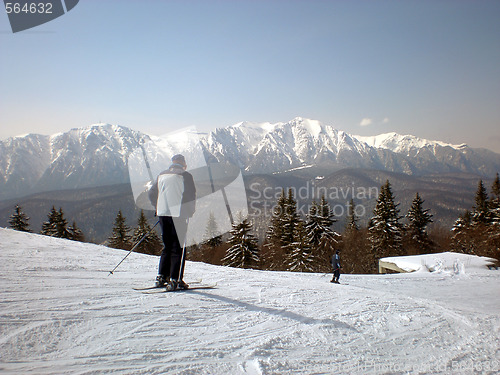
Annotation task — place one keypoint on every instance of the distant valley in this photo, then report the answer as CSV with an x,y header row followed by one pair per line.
x,y
95,209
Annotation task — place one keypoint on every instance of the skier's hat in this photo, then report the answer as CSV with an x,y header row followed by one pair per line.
x,y
178,158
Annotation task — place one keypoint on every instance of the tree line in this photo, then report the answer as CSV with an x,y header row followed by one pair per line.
x,y
55,226
306,244
477,231
122,236
294,243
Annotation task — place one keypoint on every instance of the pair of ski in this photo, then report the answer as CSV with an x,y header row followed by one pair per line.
x,y
164,289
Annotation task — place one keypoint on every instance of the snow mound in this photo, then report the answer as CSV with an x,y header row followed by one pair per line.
x,y
62,314
455,263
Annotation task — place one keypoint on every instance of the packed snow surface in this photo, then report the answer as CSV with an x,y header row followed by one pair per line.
x,y
62,313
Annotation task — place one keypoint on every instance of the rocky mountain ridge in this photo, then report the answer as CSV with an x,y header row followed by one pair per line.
x,y
97,155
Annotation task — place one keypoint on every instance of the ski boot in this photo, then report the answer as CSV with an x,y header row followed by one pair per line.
x,y
161,281
174,285
171,285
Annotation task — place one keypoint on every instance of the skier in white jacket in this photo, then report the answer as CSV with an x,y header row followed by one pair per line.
x,y
174,196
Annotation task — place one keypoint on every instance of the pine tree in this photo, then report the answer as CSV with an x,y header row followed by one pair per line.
x,y
480,213
56,225
495,189
62,225
329,238
312,226
290,237
461,240
244,251
356,257
49,227
495,202
290,221
75,233
274,256
212,235
151,244
417,227
493,234
299,257
325,213
275,230
322,238
385,230
19,220
120,238
351,220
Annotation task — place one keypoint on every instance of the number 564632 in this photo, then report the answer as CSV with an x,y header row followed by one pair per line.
x,y
28,8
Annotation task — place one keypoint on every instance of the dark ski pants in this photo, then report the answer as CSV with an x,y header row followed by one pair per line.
x,y
336,274
173,232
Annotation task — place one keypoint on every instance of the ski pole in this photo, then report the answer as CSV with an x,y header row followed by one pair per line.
x,y
132,249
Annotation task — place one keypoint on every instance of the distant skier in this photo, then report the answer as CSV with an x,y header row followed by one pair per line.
x,y
174,196
336,267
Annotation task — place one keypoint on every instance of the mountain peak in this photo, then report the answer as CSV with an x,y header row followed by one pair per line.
x,y
313,127
259,126
104,126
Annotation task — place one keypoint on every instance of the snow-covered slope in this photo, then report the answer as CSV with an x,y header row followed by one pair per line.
x,y
62,313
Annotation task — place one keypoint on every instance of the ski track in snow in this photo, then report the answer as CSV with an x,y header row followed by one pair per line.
x,y
62,313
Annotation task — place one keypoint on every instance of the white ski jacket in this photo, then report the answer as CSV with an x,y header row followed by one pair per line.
x,y
174,193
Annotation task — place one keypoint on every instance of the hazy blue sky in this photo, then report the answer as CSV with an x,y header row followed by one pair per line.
x,y
429,68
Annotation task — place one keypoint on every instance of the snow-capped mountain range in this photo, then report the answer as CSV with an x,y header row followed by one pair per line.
x,y
97,155
270,148
90,156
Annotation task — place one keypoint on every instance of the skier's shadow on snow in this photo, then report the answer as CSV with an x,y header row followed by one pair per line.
x,y
279,312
